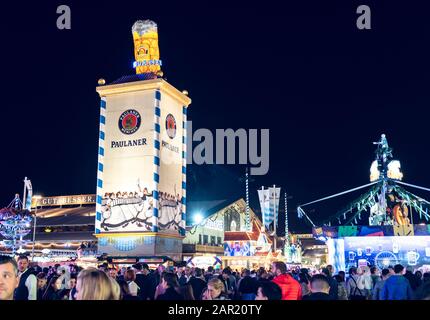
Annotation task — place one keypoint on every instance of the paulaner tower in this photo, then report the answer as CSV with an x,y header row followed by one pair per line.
x,y
141,179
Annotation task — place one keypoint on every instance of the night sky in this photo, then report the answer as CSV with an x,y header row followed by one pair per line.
x,y
325,89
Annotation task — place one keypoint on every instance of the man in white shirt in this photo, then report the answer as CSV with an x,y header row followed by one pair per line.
x,y
27,287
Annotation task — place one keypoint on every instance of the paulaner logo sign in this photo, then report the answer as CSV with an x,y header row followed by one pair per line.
x,y
171,126
129,121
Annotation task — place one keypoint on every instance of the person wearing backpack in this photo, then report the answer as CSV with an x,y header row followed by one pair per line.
x,y
352,288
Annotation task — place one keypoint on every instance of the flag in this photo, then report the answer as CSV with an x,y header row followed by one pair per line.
x,y
263,196
269,202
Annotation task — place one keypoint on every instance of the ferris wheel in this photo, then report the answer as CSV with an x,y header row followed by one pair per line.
x,y
385,258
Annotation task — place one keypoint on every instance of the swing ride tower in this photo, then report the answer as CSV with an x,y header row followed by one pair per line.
x,y
384,226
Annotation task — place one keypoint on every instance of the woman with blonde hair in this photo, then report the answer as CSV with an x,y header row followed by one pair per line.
x,y
116,289
94,284
215,290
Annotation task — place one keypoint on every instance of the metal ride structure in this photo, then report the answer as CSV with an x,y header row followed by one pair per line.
x,y
386,201
15,224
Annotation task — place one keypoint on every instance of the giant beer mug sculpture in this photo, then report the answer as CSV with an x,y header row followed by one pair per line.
x,y
146,52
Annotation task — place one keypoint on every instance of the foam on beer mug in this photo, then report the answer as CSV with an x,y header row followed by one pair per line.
x,y
146,52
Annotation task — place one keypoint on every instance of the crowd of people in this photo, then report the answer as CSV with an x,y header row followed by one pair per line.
x,y
20,281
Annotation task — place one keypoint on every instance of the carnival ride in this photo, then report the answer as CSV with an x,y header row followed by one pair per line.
x,y
15,224
386,201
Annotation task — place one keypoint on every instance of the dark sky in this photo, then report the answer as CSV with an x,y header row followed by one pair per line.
x,y
325,89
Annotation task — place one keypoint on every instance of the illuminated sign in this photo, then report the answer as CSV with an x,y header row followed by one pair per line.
x,y
146,63
63,200
146,52
214,225
204,261
380,251
238,249
151,260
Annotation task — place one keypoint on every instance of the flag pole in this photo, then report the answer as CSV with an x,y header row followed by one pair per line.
x,y
263,227
24,194
274,218
287,240
247,203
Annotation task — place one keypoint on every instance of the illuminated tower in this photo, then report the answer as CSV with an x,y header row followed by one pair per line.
x,y
141,180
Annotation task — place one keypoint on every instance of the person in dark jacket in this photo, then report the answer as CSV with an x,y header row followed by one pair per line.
x,y
198,284
169,281
143,280
41,285
209,274
53,291
332,283
268,290
154,280
248,287
320,288
412,279
225,279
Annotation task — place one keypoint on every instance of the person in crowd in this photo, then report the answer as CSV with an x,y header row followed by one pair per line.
x,y
304,280
209,274
36,269
426,277
397,287
225,278
268,290
169,282
354,292
262,275
198,283
9,279
188,273
53,289
375,275
155,282
423,291
248,286
186,291
385,274
391,268
125,293
365,282
93,284
418,278
72,287
320,288
27,288
113,273
332,282
215,290
233,280
343,276
182,277
130,278
121,273
411,278
291,289
342,294
41,285
330,269
143,280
